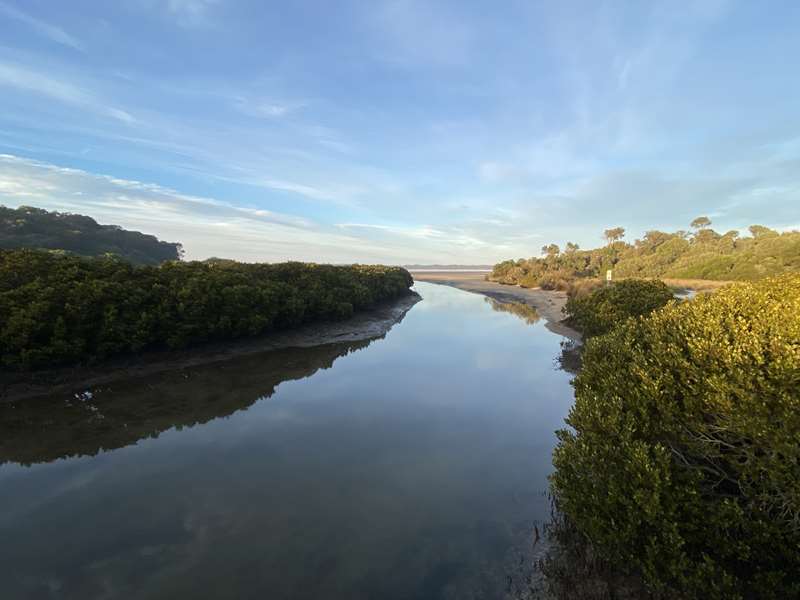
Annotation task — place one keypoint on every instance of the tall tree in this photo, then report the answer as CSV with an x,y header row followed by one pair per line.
x,y
551,250
700,223
759,231
615,234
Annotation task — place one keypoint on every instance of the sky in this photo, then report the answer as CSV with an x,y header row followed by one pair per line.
x,y
401,131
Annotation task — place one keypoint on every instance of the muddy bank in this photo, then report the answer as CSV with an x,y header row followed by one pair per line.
x,y
548,304
366,325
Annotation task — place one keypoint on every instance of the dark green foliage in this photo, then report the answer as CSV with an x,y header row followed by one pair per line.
x,y
703,255
683,457
608,306
28,227
57,309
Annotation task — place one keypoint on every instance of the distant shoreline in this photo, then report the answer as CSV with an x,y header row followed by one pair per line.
x,y
449,270
548,304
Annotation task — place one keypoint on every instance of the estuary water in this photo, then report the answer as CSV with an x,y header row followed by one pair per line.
x,y
410,466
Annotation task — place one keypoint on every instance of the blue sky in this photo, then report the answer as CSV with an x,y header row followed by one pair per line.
x,y
402,130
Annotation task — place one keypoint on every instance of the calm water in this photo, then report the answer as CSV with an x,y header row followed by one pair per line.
x,y
411,466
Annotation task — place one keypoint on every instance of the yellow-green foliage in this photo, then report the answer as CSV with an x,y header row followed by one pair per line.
x,y
57,309
705,254
683,457
607,307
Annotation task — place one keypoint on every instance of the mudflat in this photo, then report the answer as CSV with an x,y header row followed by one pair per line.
x,y
368,324
548,303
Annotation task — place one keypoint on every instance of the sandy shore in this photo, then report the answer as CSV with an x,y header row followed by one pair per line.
x,y
365,325
548,304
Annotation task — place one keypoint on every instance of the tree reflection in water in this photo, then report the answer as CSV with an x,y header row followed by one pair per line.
x,y
120,414
519,309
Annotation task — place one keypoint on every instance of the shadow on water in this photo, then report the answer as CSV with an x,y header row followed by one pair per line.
x,y
121,414
569,360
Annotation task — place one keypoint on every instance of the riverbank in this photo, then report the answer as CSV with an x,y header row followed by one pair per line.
x,y
368,324
548,304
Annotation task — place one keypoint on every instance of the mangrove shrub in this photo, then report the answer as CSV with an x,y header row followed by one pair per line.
x,y
58,309
608,306
683,457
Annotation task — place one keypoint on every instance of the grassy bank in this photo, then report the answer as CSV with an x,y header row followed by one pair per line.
x,y
57,310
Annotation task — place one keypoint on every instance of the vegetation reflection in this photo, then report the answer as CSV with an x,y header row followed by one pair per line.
x,y
526,312
121,414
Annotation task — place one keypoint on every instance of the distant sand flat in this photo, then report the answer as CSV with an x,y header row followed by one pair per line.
x,y
548,304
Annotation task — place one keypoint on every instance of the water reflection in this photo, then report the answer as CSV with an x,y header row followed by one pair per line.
x,y
117,415
569,360
526,312
412,468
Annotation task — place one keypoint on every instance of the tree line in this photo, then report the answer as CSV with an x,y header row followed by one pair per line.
x,y
29,227
700,254
58,309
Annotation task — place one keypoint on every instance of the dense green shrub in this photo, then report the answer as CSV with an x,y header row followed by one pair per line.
x,y
608,306
683,457
57,309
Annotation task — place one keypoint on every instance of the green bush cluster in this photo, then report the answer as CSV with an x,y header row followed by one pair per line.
x,y
683,457
608,306
57,309
704,254
29,227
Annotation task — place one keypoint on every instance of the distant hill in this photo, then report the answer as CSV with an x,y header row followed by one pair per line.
x,y
702,254
28,227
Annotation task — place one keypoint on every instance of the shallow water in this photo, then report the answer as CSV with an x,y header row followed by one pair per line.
x,y
412,466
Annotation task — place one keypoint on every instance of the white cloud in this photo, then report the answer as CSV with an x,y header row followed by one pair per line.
x,y
451,240
414,33
267,108
206,226
32,81
187,13
333,192
53,33
553,157
212,227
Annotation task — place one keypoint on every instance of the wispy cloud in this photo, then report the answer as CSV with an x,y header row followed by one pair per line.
x,y
429,131
439,240
335,192
417,33
212,227
187,13
47,30
26,178
206,226
268,109
45,84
